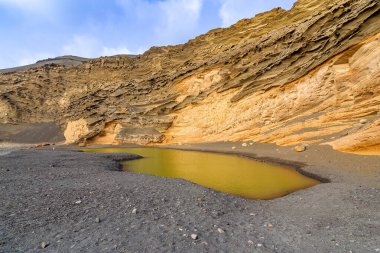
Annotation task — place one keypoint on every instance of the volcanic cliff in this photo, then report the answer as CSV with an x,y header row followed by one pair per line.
x,y
307,75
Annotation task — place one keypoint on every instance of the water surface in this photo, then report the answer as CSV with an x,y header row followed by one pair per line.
x,y
226,173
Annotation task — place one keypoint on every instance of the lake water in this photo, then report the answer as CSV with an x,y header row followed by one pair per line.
x,y
226,173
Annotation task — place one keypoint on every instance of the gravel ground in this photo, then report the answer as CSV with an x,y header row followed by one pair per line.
x,y
67,201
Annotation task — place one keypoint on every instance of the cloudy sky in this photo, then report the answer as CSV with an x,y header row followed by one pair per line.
x,y
38,29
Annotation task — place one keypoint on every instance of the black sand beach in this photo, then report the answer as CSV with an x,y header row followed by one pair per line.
x,y
70,201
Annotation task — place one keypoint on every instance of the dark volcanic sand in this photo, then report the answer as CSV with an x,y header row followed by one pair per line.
x,y
58,199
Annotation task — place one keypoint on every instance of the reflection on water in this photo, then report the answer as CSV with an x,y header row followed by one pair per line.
x,y
226,173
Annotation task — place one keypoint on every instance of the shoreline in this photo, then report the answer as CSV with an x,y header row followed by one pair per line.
x,y
297,166
319,162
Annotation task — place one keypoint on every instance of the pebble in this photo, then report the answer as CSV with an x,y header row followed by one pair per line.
x,y
221,231
134,211
269,225
194,236
234,147
250,242
377,250
250,144
44,245
300,148
259,245
97,220
244,145
78,201
363,121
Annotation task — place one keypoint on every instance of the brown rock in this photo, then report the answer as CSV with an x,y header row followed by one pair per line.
x,y
300,148
42,145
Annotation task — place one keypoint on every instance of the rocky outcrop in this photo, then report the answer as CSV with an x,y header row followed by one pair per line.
x,y
308,75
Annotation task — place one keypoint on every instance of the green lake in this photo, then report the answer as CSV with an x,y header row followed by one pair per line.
x,y
226,173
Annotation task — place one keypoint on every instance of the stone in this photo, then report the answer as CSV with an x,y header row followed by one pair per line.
x,y
78,202
221,231
300,148
42,145
194,236
44,245
97,220
82,145
134,211
244,145
363,121
233,147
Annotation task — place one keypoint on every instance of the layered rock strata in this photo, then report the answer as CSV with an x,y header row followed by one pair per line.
x,y
307,75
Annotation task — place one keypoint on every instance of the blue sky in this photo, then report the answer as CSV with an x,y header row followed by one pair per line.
x,y
37,29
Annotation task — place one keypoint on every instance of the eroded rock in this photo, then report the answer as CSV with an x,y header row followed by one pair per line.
x,y
285,82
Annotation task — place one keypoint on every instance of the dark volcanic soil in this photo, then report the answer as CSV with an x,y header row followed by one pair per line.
x,y
31,133
81,202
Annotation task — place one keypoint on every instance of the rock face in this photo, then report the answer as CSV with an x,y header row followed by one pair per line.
x,y
308,75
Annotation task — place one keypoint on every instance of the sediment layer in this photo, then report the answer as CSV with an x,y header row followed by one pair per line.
x,y
307,75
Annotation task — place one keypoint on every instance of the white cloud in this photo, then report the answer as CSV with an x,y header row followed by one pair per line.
x,y
82,45
168,20
232,11
109,51
30,59
89,46
33,6
22,58
179,16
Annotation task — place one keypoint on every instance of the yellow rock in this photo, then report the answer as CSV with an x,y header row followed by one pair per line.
x,y
300,148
